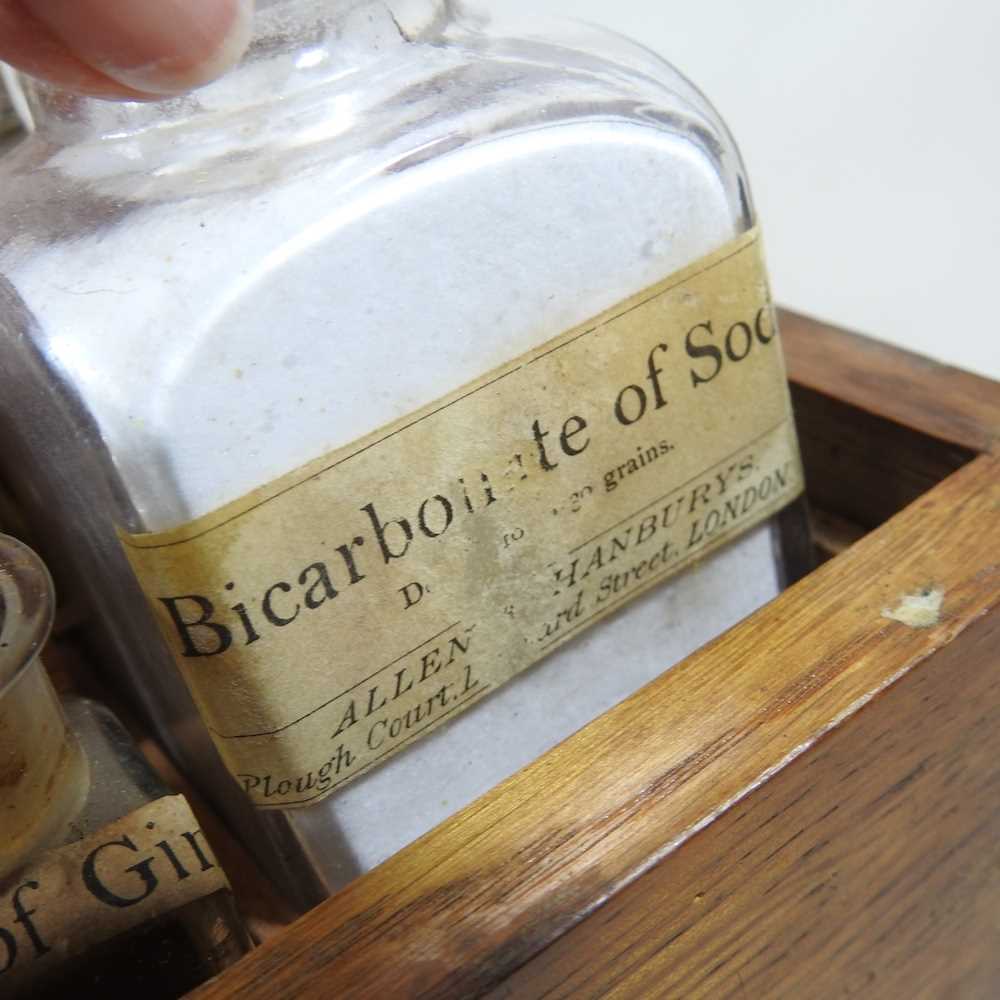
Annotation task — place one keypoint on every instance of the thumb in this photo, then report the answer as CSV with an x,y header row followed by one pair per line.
x,y
125,48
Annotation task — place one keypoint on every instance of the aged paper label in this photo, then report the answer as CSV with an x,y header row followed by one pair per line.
x,y
332,617
144,865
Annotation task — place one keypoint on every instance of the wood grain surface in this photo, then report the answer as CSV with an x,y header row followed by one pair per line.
x,y
873,870
807,807
915,392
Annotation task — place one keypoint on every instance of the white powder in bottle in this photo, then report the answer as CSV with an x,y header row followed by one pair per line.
x,y
246,287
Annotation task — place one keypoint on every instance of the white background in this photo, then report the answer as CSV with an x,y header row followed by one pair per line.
x,y
871,133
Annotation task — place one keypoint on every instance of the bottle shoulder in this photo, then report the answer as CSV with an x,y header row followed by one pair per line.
x,y
424,102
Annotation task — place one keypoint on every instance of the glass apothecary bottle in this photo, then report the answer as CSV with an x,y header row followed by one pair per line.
x,y
390,361
107,884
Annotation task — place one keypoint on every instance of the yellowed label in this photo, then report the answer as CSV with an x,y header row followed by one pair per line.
x,y
144,865
334,616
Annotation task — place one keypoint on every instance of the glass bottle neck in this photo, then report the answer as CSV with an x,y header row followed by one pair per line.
x,y
297,45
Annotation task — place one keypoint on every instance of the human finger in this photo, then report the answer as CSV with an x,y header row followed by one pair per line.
x,y
125,48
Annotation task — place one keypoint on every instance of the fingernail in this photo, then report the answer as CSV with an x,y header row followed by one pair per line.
x,y
154,46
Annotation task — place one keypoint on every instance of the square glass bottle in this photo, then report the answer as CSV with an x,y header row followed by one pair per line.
x,y
385,204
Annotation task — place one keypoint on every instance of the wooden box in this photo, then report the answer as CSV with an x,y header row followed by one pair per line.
x,y
807,807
